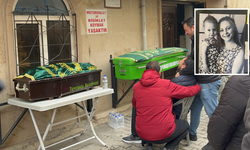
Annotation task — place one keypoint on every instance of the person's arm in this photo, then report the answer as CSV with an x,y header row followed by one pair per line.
x,y
246,139
238,62
180,92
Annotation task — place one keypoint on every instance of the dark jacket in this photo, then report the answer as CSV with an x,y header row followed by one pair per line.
x,y
192,48
226,126
184,80
246,139
201,79
152,99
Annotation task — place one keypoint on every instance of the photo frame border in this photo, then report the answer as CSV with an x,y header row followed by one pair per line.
x,y
197,12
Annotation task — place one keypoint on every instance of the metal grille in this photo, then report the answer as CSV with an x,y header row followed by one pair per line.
x,y
32,50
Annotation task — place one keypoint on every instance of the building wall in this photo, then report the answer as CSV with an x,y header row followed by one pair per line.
x,y
229,3
124,35
238,4
215,3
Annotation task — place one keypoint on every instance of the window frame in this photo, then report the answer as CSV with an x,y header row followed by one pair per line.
x,y
9,40
43,40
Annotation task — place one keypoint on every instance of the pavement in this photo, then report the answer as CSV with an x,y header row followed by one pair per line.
x,y
113,138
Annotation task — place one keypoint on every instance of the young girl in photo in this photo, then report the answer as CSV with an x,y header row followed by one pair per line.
x,y
209,47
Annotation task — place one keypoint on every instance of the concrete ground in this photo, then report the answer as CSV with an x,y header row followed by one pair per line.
x,y
113,138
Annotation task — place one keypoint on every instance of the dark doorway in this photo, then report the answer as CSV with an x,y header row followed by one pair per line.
x,y
169,25
173,14
200,5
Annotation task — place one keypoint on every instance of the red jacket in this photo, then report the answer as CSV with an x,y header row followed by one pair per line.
x,y
152,99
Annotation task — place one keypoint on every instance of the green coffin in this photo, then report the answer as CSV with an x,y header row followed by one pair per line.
x,y
130,66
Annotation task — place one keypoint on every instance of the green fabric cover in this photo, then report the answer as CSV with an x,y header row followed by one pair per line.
x,y
139,56
57,70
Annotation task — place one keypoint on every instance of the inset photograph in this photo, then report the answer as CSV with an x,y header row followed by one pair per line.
x,y
221,41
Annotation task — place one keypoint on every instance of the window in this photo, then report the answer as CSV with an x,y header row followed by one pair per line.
x,y
45,34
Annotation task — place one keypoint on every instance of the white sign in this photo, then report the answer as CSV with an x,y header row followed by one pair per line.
x,y
96,21
113,3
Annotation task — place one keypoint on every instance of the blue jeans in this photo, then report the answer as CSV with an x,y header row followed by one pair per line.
x,y
208,97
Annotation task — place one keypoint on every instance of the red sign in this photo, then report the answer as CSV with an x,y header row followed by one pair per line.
x,y
96,21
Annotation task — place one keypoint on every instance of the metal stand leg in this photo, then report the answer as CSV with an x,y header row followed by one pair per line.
x,y
37,130
115,102
187,136
49,127
89,118
91,114
91,125
113,82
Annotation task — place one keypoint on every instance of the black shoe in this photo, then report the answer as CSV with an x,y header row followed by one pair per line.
x,y
207,147
172,148
148,147
131,139
192,137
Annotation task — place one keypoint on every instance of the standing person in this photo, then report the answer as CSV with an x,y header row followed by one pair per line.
x,y
246,139
209,47
210,84
152,98
226,125
231,58
185,80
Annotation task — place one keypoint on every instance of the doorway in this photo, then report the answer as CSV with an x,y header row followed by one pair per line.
x,y
169,25
173,34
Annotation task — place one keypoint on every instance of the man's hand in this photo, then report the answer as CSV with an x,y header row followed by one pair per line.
x,y
177,74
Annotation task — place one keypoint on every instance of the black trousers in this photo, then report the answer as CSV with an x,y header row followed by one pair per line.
x,y
174,139
180,132
133,122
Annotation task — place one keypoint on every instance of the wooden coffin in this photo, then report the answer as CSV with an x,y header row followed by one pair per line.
x,y
27,89
55,87
80,82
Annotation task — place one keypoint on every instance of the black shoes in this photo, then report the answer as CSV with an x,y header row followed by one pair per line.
x,y
148,147
192,137
131,139
173,148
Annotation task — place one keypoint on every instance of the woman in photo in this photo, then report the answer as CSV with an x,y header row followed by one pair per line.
x,y
231,57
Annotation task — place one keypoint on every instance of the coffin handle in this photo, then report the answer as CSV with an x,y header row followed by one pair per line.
x,y
163,62
181,57
25,88
141,67
145,66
